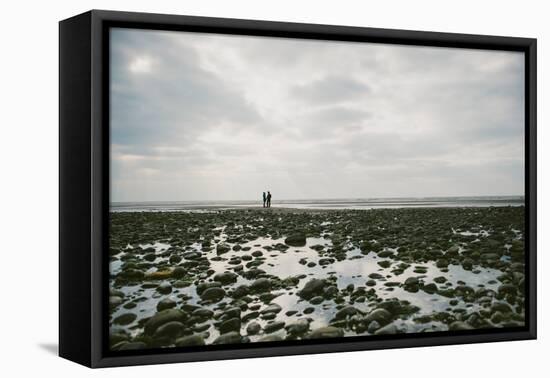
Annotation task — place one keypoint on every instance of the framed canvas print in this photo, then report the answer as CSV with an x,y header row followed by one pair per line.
x,y
234,188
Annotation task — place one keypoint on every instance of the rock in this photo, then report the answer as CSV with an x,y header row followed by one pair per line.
x,y
430,288
125,318
231,312
326,261
201,288
346,312
382,316
150,257
164,288
202,313
389,329
228,338
502,307
257,253
459,326
497,317
250,315
115,301
260,285
165,304
117,335
330,292
164,317
222,248
179,272
448,293
397,307
296,240
316,300
269,316
159,275
270,338
326,332
170,330
411,284
442,263
384,263
225,278
490,256
273,327
312,288
131,274
240,291
213,294
376,276
192,340
507,289
299,327
191,255
116,293
453,251
411,281
133,346
440,280
272,308
373,326
467,264
370,283
253,328
174,259
385,254
230,325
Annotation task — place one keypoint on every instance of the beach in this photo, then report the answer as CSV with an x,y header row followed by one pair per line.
x,y
241,275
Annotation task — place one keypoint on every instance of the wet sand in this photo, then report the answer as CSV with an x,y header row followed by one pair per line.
x,y
253,275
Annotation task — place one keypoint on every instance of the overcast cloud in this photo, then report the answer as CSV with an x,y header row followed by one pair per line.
x,y
213,117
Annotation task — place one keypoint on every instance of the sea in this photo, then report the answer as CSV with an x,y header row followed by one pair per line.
x,y
322,204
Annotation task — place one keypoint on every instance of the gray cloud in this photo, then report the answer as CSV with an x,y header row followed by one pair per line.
x,y
205,116
331,90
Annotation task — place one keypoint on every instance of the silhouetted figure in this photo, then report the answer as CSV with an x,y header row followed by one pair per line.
x,y
265,199
268,199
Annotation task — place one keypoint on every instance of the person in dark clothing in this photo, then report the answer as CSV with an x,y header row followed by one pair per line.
x,y
265,199
268,199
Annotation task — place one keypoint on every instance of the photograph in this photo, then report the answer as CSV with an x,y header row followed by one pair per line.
x,y
279,190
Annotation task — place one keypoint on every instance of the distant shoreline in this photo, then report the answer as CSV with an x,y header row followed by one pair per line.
x,y
282,209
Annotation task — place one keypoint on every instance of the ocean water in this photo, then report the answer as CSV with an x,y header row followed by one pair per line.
x,y
326,204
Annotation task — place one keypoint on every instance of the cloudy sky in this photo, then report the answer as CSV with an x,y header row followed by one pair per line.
x,y
213,117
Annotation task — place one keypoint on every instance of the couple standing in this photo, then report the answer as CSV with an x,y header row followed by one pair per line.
x,y
267,199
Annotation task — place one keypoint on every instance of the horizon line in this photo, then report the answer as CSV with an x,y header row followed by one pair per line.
x,y
324,199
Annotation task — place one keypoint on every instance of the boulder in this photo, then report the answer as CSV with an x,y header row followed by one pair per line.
x,y
213,294
296,240
192,340
312,288
326,332
382,316
164,317
225,278
228,338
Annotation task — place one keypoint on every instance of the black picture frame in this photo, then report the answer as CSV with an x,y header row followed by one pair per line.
x,y
84,184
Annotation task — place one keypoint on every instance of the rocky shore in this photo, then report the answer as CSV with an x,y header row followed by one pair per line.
x,y
180,279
